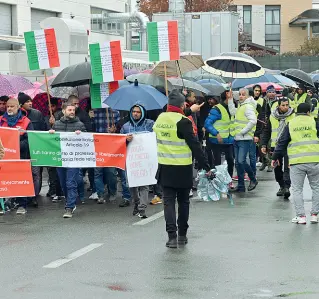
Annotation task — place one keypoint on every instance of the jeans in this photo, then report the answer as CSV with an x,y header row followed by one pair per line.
x,y
169,196
253,157
36,175
81,185
242,149
282,172
125,188
69,178
105,175
54,182
229,156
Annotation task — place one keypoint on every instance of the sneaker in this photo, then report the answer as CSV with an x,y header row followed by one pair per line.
x,y
259,164
135,211
82,201
286,193
101,200
191,193
53,195
252,185
231,186
280,192
171,243
156,200
314,218
21,211
57,199
246,178
124,203
262,167
299,220
142,214
94,196
68,213
235,178
1,212
269,169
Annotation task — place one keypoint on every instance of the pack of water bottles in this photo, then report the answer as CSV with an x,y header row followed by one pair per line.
x,y
211,188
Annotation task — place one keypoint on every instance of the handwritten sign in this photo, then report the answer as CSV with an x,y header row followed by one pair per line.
x,y
141,160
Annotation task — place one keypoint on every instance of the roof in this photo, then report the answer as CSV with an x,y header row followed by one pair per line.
x,y
308,16
254,46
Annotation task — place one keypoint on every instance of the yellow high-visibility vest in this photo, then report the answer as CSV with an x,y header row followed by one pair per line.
x,y
275,126
224,125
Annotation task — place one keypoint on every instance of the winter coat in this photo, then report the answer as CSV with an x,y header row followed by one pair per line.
x,y
250,114
37,119
215,115
69,125
82,116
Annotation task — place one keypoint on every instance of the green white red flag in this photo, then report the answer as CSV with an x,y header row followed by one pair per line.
x,y
100,92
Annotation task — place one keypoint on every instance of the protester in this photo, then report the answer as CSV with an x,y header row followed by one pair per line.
x,y
14,118
138,123
176,145
3,104
277,122
300,138
68,176
244,128
301,96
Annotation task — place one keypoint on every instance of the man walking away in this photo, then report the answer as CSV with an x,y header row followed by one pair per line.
x,y
68,176
176,144
277,122
300,136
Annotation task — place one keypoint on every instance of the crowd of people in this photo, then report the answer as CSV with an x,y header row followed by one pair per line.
x,y
258,128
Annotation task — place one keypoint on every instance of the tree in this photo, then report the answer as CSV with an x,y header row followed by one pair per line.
x,y
149,7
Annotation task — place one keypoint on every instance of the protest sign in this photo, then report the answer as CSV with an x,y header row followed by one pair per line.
x,y
42,50
100,92
16,179
163,41
10,139
141,161
77,151
106,62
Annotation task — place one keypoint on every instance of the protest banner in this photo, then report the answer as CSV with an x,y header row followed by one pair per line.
x,y
141,161
100,92
163,44
16,178
10,139
70,150
106,62
42,50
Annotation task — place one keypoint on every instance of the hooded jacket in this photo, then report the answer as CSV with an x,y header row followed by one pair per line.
x,y
141,125
250,114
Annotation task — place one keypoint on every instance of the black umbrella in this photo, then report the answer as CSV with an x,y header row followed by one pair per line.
x,y
298,76
74,75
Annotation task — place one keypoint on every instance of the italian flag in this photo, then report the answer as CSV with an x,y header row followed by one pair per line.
x,y
42,49
106,62
163,44
100,92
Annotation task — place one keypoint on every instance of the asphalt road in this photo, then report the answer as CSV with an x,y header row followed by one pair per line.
x,y
246,250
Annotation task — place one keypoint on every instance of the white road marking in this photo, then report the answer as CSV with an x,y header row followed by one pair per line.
x,y
72,256
150,219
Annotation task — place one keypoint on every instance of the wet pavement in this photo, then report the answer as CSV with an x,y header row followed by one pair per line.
x,y
245,250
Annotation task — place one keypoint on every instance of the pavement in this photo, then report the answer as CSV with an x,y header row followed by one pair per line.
x,y
248,249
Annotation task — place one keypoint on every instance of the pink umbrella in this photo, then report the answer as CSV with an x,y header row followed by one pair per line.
x,y
13,84
32,92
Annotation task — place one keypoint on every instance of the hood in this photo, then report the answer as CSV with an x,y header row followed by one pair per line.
x,y
251,101
143,116
69,120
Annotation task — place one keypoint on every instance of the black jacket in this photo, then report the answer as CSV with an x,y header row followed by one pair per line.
x,y
37,119
68,125
82,116
176,176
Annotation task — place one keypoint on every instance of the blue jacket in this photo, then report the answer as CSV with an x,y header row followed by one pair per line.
x,y
213,116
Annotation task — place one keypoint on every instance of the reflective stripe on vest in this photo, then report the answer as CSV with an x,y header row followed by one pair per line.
x,y
223,126
275,128
171,150
304,144
241,120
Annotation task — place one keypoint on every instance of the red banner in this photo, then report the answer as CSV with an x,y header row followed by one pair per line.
x,y
11,142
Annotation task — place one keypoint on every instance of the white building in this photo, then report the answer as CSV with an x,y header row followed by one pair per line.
x,y
315,4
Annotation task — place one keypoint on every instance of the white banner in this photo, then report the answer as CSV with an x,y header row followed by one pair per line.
x,y
141,160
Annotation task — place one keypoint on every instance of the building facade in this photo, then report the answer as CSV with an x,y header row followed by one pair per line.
x,y
266,22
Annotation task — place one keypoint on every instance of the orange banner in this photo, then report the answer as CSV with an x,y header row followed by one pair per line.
x,y
11,142
16,179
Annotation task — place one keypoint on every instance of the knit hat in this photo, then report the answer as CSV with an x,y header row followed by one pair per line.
x,y
270,88
175,98
13,101
23,98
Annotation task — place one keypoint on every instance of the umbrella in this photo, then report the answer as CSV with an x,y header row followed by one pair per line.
x,y
10,84
181,83
210,76
239,83
234,65
264,86
286,81
314,77
214,89
127,96
175,68
149,79
32,92
74,75
298,76
213,82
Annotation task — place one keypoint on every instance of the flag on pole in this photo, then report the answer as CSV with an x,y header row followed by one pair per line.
x,y
42,50
163,44
106,62
100,92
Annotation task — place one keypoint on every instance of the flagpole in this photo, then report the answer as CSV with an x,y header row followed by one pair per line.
x,y
48,93
165,74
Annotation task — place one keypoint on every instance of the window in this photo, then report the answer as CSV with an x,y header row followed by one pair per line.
x,y
99,22
272,27
247,21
